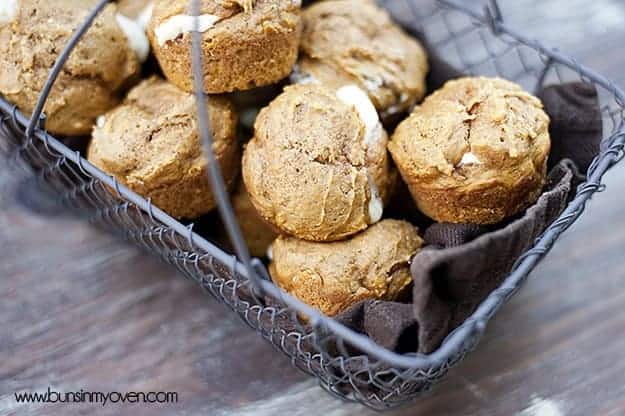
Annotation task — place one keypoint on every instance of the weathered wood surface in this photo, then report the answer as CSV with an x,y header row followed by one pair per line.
x,y
81,309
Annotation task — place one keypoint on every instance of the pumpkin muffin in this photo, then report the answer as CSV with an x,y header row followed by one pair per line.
x,y
356,42
245,43
475,151
331,277
151,144
317,167
108,58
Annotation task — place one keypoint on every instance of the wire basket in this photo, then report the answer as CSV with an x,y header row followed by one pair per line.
x,y
347,364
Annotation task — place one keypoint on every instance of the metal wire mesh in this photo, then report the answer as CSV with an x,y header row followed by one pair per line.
x,y
348,365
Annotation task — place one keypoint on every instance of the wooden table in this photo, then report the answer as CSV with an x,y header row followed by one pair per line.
x,y
81,309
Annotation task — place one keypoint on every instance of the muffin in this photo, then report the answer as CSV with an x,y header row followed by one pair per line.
x,y
355,42
257,233
331,277
108,58
475,151
317,167
246,43
150,143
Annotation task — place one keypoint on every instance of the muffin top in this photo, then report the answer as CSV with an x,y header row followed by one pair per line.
x,y
317,166
471,131
374,264
356,42
151,140
171,20
32,35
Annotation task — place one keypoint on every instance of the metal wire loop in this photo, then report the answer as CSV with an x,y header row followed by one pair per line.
x,y
149,208
78,161
190,235
116,186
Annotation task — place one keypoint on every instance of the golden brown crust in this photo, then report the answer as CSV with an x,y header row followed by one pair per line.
x,y
309,169
252,44
374,264
356,42
475,151
151,144
257,233
97,71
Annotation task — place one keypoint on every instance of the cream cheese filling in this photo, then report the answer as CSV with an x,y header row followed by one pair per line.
x,y
469,159
354,96
180,24
135,34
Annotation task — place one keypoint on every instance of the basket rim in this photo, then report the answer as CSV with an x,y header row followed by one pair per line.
x,y
475,324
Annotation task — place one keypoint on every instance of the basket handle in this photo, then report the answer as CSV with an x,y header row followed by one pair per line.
x,y
216,179
36,118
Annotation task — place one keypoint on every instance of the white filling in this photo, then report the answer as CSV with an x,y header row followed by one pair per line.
x,y
270,252
8,10
137,39
99,122
356,97
469,159
146,14
376,207
181,24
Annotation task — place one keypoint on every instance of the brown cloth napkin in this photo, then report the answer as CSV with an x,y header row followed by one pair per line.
x,y
450,282
463,263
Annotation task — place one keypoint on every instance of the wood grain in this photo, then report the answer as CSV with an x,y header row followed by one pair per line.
x,y
80,309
